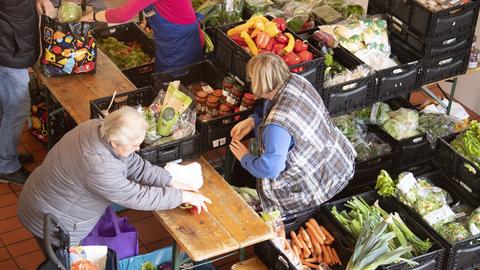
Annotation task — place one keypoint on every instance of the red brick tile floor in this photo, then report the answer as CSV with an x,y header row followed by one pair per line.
x,y
18,249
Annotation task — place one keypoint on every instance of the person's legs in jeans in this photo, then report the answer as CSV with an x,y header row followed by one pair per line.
x,y
14,110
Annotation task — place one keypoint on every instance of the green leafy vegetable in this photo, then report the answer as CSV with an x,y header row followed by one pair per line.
x,y
147,266
402,124
474,222
347,126
124,55
69,12
468,144
435,125
453,231
385,184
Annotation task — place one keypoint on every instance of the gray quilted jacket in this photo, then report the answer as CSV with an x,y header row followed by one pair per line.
x,y
81,176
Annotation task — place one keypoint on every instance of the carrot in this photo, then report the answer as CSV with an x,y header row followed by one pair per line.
x,y
334,252
295,250
312,260
320,259
306,250
295,239
317,228
326,256
313,233
306,238
311,265
327,234
330,254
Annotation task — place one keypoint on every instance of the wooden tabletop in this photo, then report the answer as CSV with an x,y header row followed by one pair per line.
x,y
75,92
229,224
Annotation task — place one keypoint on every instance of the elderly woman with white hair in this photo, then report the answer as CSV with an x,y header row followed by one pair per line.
x,y
304,159
92,166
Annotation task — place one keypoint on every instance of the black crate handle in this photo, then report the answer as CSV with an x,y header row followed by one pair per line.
x,y
449,41
475,242
146,69
169,150
180,73
457,10
445,61
120,99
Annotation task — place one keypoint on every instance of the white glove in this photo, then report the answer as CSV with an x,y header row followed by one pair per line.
x,y
189,176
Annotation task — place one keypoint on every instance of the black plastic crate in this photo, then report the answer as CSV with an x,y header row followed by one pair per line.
x,y
433,49
441,68
462,254
232,58
432,26
402,79
449,159
140,75
276,260
215,132
412,151
188,147
431,260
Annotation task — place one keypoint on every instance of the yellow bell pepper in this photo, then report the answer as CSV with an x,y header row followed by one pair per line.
x,y
271,29
291,43
247,25
250,43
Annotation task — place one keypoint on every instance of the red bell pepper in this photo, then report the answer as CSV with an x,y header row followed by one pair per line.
x,y
300,46
305,56
262,40
278,48
291,59
270,44
281,24
281,38
239,40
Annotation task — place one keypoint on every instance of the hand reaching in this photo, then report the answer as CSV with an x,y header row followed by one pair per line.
x,y
238,149
240,130
45,7
196,199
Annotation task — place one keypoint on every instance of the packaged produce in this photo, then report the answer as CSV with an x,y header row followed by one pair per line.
x,y
435,125
468,145
453,231
370,147
474,222
403,123
348,127
250,196
327,14
375,115
375,58
69,12
359,72
174,104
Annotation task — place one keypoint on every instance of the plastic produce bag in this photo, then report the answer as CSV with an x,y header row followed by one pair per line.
x,y
351,129
370,147
375,58
69,12
435,125
375,115
174,104
474,222
403,123
359,72
453,231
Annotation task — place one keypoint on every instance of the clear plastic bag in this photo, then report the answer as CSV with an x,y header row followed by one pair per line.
x,y
69,12
435,125
403,123
474,222
370,147
359,72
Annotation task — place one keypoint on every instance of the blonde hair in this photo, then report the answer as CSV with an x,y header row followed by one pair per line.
x,y
267,71
124,126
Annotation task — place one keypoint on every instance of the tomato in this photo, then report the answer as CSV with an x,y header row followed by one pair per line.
x,y
305,56
281,24
297,70
278,48
281,38
194,210
300,46
291,58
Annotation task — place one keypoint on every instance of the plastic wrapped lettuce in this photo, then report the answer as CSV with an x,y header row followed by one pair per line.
x,y
453,231
347,125
375,115
69,12
468,144
403,123
474,222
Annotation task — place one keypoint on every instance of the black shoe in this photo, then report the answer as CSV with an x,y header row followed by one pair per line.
x,y
18,178
25,157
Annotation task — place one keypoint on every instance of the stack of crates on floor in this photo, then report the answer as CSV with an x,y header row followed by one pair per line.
x,y
442,34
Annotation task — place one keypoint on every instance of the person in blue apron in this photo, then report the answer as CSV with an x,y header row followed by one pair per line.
x,y
177,34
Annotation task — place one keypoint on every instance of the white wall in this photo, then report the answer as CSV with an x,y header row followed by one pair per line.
x,y
468,86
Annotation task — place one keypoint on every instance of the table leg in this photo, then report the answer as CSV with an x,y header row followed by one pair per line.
x,y
242,254
176,256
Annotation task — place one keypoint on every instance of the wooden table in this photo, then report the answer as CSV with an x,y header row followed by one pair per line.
x,y
229,225
75,92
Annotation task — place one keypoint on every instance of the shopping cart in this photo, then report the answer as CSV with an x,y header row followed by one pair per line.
x,y
54,233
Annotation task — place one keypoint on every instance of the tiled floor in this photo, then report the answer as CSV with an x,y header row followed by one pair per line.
x,y
18,249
